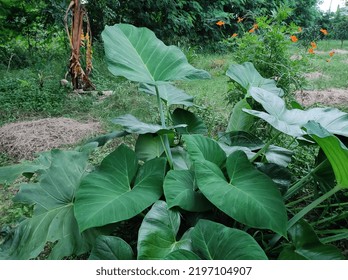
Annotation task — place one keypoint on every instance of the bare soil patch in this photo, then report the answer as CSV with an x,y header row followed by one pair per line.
x,y
22,140
330,97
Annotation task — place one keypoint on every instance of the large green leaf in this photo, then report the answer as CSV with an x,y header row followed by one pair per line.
x,y
137,54
200,147
112,193
334,149
53,218
239,120
148,146
182,255
250,197
111,248
247,76
181,159
180,190
278,155
306,245
157,233
213,241
291,121
132,125
170,94
195,125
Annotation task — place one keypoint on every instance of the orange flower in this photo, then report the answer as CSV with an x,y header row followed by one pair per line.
x,y
311,51
220,23
324,31
293,38
234,35
240,19
314,45
255,26
300,29
252,30
331,53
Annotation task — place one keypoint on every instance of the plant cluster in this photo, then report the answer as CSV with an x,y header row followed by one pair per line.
x,y
181,193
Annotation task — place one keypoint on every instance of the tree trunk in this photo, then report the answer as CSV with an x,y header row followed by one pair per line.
x,y
77,39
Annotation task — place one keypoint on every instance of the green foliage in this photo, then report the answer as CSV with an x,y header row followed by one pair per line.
x,y
183,193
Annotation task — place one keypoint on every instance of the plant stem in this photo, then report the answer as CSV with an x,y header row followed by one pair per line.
x,y
265,148
164,138
299,184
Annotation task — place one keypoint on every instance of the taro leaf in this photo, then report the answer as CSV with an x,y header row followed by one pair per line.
x,y
103,139
180,159
278,155
53,218
195,125
8,174
291,121
138,55
200,147
111,248
334,149
180,190
132,125
170,94
231,149
108,195
306,245
182,255
148,146
214,241
247,76
251,197
281,176
239,120
243,139
157,234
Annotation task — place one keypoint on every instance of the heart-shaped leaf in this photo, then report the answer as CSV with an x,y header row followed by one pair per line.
x,y
306,245
170,94
138,55
239,120
157,234
334,149
53,219
108,195
195,125
291,121
182,255
213,241
148,146
200,147
111,248
248,189
247,76
132,125
180,190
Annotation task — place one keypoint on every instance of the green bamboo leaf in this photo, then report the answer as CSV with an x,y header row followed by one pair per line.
x,y
247,76
200,147
195,125
53,219
157,233
248,189
111,248
108,195
180,190
214,241
170,94
334,149
306,245
291,121
239,120
138,55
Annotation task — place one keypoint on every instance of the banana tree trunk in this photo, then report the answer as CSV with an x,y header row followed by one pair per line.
x,y
79,39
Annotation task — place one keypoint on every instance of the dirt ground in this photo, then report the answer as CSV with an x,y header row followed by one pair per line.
x,y
331,97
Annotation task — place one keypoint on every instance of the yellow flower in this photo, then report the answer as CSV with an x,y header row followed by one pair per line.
x,y
293,38
240,19
220,23
255,26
